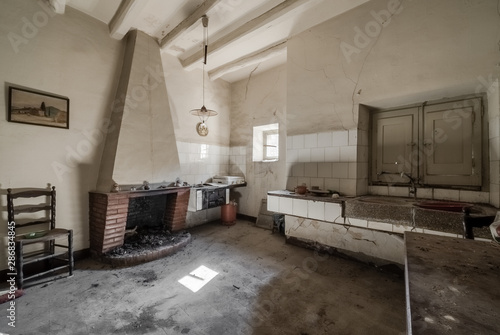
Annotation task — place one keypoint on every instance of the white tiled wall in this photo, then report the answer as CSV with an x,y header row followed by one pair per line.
x,y
328,160
338,160
432,193
200,162
333,212
317,210
299,207
197,218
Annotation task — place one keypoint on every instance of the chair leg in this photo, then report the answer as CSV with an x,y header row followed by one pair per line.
x,y
19,265
70,252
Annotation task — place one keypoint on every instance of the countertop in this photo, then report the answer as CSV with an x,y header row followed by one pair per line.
x,y
308,196
452,285
399,211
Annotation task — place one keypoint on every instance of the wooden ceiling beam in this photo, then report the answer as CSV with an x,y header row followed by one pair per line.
x,y
277,14
252,59
123,19
190,21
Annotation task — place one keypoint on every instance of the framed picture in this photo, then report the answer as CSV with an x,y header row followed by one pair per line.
x,y
39,108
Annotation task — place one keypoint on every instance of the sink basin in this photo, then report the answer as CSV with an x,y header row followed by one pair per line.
x,y
449,206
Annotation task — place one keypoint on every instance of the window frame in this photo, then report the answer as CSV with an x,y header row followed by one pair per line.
x,y
259,142
265,145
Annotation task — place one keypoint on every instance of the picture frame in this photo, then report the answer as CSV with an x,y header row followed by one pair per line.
x,y
38,108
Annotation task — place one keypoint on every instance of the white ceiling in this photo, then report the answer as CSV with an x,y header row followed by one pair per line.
x,y
241,32
99,9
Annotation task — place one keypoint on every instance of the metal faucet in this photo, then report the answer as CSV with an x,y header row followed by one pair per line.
x,y
413,187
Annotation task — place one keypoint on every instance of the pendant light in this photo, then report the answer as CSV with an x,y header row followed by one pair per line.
x,y
203,113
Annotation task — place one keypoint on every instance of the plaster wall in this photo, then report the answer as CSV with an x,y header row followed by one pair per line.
x,y
424,50
256,101
70,55
387,54
185,92
140,144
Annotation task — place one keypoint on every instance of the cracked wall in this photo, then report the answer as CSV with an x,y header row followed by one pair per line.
x,y
386,54
364,244
257,100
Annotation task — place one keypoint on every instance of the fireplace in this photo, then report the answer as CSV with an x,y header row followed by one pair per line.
x,y
139,146
146,212
111,214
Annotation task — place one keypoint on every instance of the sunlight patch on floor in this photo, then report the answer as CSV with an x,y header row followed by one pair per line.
x,y
198,278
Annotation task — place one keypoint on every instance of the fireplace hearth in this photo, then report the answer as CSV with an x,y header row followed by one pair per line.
x,y
162,209
146,244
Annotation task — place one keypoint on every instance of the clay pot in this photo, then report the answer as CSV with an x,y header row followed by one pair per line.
x,y
302,189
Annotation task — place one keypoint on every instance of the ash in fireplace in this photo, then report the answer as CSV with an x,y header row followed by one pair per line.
x,y
146,240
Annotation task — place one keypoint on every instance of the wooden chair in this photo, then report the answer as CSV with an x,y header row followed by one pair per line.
x,y
470,222
37,234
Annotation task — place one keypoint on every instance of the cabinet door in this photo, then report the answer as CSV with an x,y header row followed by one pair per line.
x,y
452,143
394,138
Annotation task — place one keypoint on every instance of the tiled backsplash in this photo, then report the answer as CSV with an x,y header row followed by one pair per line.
x,y
328,160
200,162
338,160
432,193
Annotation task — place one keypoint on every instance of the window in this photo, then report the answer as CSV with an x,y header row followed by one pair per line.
x,y
266,143
203,151
271,145
434,143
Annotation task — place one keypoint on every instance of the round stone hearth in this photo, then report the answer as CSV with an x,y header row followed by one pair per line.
x,y
146,247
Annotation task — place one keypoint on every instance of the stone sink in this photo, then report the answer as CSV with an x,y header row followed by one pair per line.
x,y
386,200
448,206
445,216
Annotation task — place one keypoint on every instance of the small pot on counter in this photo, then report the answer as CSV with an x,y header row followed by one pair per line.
x,y
302,189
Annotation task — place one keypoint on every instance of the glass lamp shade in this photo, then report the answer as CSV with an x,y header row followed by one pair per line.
x,y
203,113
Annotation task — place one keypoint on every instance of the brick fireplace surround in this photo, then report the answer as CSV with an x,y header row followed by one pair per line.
x,y
108,215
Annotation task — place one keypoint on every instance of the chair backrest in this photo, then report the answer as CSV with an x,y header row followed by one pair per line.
x,y
470,222
17,204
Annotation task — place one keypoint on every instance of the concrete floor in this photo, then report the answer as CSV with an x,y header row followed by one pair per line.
x,y
263,286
